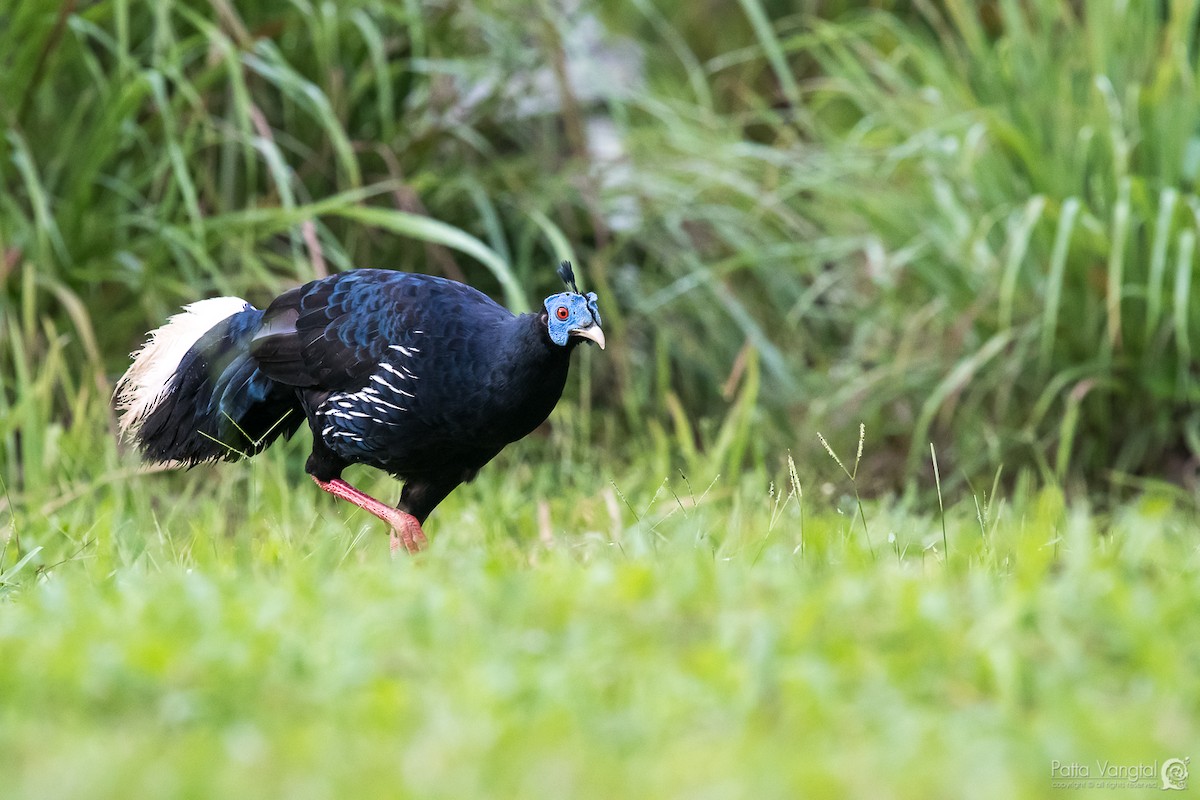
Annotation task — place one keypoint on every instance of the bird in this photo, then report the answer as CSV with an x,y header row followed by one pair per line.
x,y
420,376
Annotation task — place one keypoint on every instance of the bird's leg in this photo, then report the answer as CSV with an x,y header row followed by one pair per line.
x,y
405,528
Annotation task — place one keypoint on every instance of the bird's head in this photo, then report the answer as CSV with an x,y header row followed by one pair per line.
x,y
572,314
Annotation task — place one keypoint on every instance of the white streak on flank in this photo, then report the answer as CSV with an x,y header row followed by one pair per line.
x,y
326,431
143,385
380,380
379,401
394,371
404,351
348,399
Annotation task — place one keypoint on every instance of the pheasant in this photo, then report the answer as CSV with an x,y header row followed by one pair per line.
x,y
422,377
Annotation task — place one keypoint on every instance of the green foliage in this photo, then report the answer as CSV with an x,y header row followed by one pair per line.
x,y
1027,216
197,146
972,225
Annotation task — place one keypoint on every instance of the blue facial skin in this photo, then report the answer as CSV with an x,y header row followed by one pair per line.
x,y
583,317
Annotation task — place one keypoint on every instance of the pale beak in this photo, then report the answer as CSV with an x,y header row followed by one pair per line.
x,y
592,332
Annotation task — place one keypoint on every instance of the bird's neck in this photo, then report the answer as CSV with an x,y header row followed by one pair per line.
x,y
529,376
530,347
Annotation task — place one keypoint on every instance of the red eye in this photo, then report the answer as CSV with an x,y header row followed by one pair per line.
x,y
562,312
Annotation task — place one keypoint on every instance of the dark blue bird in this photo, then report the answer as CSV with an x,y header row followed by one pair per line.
x,y
423,377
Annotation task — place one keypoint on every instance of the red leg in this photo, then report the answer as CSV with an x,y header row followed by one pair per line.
x,y
405,528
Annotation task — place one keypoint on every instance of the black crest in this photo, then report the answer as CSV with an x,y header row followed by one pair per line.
x,y
568,276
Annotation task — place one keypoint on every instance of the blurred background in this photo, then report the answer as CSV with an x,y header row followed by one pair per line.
x,y
958,223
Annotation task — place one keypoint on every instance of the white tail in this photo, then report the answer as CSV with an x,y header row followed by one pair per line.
x,y
144,384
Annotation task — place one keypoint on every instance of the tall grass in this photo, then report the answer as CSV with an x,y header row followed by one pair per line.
x,y
213,149
159,152
973,226
1026,219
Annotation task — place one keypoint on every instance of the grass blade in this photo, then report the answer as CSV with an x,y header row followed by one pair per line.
x,y
1056,278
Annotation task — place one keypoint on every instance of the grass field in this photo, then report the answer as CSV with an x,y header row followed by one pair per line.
x,y
234,632
970,227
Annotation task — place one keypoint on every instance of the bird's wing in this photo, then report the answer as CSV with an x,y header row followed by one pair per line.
x,y
333,333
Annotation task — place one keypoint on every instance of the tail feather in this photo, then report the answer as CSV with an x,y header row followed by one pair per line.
x,y
194,393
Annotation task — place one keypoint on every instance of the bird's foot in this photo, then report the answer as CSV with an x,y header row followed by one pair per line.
x,y
408,534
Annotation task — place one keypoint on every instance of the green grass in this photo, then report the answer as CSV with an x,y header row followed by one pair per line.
x,y
233,632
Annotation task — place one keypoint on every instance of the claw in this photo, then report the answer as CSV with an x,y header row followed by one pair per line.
x,y
408,534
